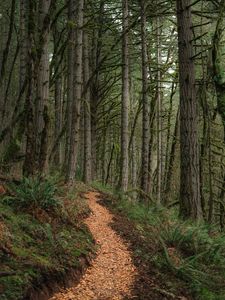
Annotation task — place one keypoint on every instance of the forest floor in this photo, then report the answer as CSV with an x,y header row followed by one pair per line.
x,y
105,246
114,273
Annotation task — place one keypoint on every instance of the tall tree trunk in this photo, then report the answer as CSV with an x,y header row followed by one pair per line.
x,y
96,57
159,115
23,42
125,100
145,108
219,80
217,53
41,105
190,202
70,78
75,125
7,38
87,115
23,66
103,153
132,142
171,160
205,143
58,87
38,87
58,118
168,144
152,116
30,160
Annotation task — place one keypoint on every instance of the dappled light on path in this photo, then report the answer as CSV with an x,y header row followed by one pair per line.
x,y
112,273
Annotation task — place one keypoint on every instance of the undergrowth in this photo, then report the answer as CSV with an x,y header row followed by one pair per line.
x,y
192,253
41,245
33,193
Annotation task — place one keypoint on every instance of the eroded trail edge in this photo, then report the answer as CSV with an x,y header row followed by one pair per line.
x,y
112,273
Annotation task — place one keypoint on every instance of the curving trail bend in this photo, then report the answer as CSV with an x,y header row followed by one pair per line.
x,y
112,273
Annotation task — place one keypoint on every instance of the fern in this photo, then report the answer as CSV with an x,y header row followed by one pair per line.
x,y
34,192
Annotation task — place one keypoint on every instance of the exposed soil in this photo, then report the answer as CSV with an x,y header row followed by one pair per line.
x,y
112,274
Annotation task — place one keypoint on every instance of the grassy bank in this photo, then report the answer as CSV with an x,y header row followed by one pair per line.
x,y
42,237
179,254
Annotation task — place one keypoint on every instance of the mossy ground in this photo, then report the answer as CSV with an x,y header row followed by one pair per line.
x,y
36,245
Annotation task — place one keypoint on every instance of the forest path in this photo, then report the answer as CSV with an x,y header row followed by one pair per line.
x,y
112,273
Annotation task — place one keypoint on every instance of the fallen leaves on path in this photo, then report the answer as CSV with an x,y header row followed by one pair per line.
x,y
112,273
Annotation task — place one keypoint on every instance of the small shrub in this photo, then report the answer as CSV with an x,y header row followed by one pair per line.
x,y
34,193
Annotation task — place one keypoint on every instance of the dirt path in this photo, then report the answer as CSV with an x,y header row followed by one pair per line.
x,y
112,273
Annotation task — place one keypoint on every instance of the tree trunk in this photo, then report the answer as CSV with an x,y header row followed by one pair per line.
x,y
23,42
190,202
30,160
103,153
171,160
217,53
97,43
58,119
5,55
75,125
87,115
167,159
132,142
58,89
159,116
219,80
145,108
109,164
41,105
70,79
125,100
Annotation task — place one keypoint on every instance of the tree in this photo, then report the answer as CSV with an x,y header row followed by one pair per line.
x,y
87,113
42,93
145,102
190,202
75,121
125,100
70,78
23,42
